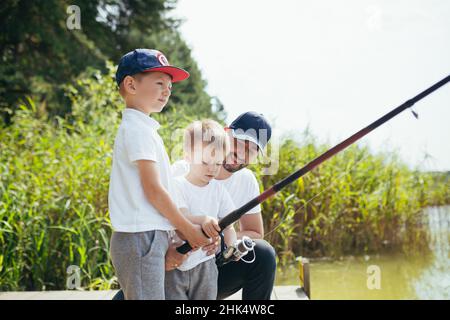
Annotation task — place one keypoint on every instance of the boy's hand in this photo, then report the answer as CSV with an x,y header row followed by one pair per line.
x,y
212,247
196,237
211,227
173,258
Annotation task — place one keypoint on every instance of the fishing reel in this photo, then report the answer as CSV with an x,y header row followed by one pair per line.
x,y
235,252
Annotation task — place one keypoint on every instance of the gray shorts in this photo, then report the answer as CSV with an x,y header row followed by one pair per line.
x,y
199,283
138,260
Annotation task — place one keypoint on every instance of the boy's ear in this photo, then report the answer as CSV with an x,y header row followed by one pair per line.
x,y
129,84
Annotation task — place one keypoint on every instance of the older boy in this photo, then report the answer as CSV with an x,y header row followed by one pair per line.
x,y
141,209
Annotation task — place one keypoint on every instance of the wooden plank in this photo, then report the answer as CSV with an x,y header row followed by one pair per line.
x,y
238,296
59,295
279,293
304,275
289,293
29,295
307,283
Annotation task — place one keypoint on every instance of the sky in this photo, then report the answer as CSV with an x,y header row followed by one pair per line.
x,y
335,66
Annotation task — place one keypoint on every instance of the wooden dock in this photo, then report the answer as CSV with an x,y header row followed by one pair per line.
x,y
279,293
302,292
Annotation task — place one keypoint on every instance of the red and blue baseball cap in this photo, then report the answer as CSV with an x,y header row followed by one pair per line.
x,y
252,126
147,60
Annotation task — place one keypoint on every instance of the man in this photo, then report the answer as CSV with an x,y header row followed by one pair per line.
x,y
248,135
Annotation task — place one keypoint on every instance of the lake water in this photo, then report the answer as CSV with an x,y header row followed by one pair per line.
x,y
395,276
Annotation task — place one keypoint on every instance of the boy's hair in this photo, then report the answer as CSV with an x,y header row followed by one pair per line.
x,y
137,76
211,135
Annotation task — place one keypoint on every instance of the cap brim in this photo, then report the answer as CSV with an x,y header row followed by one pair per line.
x,y
247,138
177,74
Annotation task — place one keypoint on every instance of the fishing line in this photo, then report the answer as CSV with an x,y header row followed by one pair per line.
x,y
316,195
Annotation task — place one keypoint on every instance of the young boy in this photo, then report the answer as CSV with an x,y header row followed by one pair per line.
x,y
202,199
141,209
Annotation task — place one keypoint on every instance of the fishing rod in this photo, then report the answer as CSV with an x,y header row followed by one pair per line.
x,y
239,212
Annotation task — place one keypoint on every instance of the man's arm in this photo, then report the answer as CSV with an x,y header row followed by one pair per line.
x,y
251,225
158,196
229,235
209,225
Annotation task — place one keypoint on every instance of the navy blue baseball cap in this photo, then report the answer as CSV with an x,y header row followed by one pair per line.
x,y
252,126
147,60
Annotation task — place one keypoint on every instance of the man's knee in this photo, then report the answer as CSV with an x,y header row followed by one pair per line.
x,y
265,256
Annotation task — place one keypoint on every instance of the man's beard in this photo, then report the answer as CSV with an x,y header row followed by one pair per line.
x,y
231,168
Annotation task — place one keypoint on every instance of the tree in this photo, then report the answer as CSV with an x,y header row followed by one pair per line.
x,y
40,54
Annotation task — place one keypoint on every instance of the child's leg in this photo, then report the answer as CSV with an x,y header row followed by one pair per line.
x,y
138,260
203,281
176,285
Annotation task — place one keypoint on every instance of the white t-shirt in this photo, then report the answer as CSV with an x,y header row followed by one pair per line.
x,y
211,200
137,139
242,185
